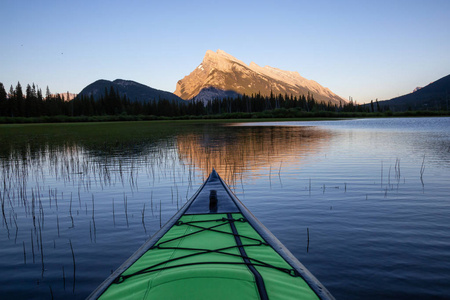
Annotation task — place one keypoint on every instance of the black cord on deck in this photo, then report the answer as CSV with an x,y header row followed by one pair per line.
x,y
250,262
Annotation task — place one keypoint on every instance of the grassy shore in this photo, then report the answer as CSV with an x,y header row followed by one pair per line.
x,y
277,114
93,131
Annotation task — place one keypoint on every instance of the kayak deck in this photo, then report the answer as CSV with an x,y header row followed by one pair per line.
x,y
212,251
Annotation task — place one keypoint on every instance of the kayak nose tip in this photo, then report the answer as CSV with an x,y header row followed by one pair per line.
x,y
213,200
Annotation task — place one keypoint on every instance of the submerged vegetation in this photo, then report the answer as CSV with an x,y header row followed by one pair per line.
x,y
32,107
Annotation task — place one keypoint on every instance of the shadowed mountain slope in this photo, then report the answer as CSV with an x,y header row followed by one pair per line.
x,y
435,96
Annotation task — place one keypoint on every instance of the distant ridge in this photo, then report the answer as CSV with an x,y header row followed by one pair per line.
x,y
435,96
221,72
65,96
134,91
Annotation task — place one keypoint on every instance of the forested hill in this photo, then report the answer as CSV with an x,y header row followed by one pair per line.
x,y
435,96
132,90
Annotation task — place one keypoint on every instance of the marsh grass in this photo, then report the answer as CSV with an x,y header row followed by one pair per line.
x,y
44,166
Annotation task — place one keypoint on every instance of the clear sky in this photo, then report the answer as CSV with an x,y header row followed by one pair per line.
x,y
366,49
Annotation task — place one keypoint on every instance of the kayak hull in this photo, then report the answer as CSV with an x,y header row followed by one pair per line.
x,y
213,247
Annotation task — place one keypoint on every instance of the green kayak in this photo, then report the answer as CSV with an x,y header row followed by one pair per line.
x,y
213,248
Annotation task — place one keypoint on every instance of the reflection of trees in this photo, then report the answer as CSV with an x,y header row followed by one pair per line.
x,y
30,147
58,183
234,150
110,153
85,154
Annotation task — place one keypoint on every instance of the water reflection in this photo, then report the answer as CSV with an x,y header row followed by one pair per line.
x,y
107,159
233,151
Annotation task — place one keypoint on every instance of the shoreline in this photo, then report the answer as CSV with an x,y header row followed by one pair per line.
x,y
276,115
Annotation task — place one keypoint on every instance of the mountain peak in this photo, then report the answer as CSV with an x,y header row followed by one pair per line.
x,y
226,55
225,72
220,58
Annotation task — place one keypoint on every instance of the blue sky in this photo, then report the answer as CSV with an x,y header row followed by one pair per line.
x,y
364,49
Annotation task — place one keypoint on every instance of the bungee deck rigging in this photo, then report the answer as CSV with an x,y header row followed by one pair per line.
x,y
213,248
199,251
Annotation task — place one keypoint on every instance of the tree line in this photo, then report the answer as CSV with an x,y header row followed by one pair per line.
x,y
32,103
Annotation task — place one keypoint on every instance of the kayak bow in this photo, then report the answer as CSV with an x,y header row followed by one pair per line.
x,y
212,248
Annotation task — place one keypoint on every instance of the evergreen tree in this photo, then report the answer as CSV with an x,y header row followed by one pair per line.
x,y
11,102
3,100
28,102
19,101
18,91
47,93
28,92
39,95
33,91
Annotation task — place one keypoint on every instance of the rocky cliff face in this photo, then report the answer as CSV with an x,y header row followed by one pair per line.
x,y
223,72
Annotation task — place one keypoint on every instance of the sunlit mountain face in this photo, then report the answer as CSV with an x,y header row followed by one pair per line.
x,y
226,73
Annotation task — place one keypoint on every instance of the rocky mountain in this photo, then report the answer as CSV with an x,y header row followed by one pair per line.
x,y
221,73
434,96
208,93
133,90
65,96
68,96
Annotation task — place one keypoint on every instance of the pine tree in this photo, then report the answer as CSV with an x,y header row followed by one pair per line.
x,y
28,102
47,93
3,99
18,91
39,95
19,101
33,90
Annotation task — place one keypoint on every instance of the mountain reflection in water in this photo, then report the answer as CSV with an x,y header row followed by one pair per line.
x,y
233,151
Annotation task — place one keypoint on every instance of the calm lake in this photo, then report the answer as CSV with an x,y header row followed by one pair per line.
x,y
78,199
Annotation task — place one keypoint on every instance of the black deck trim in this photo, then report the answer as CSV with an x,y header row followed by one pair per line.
x,y
258,278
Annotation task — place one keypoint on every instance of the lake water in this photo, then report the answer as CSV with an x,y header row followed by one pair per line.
x,y
373,194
